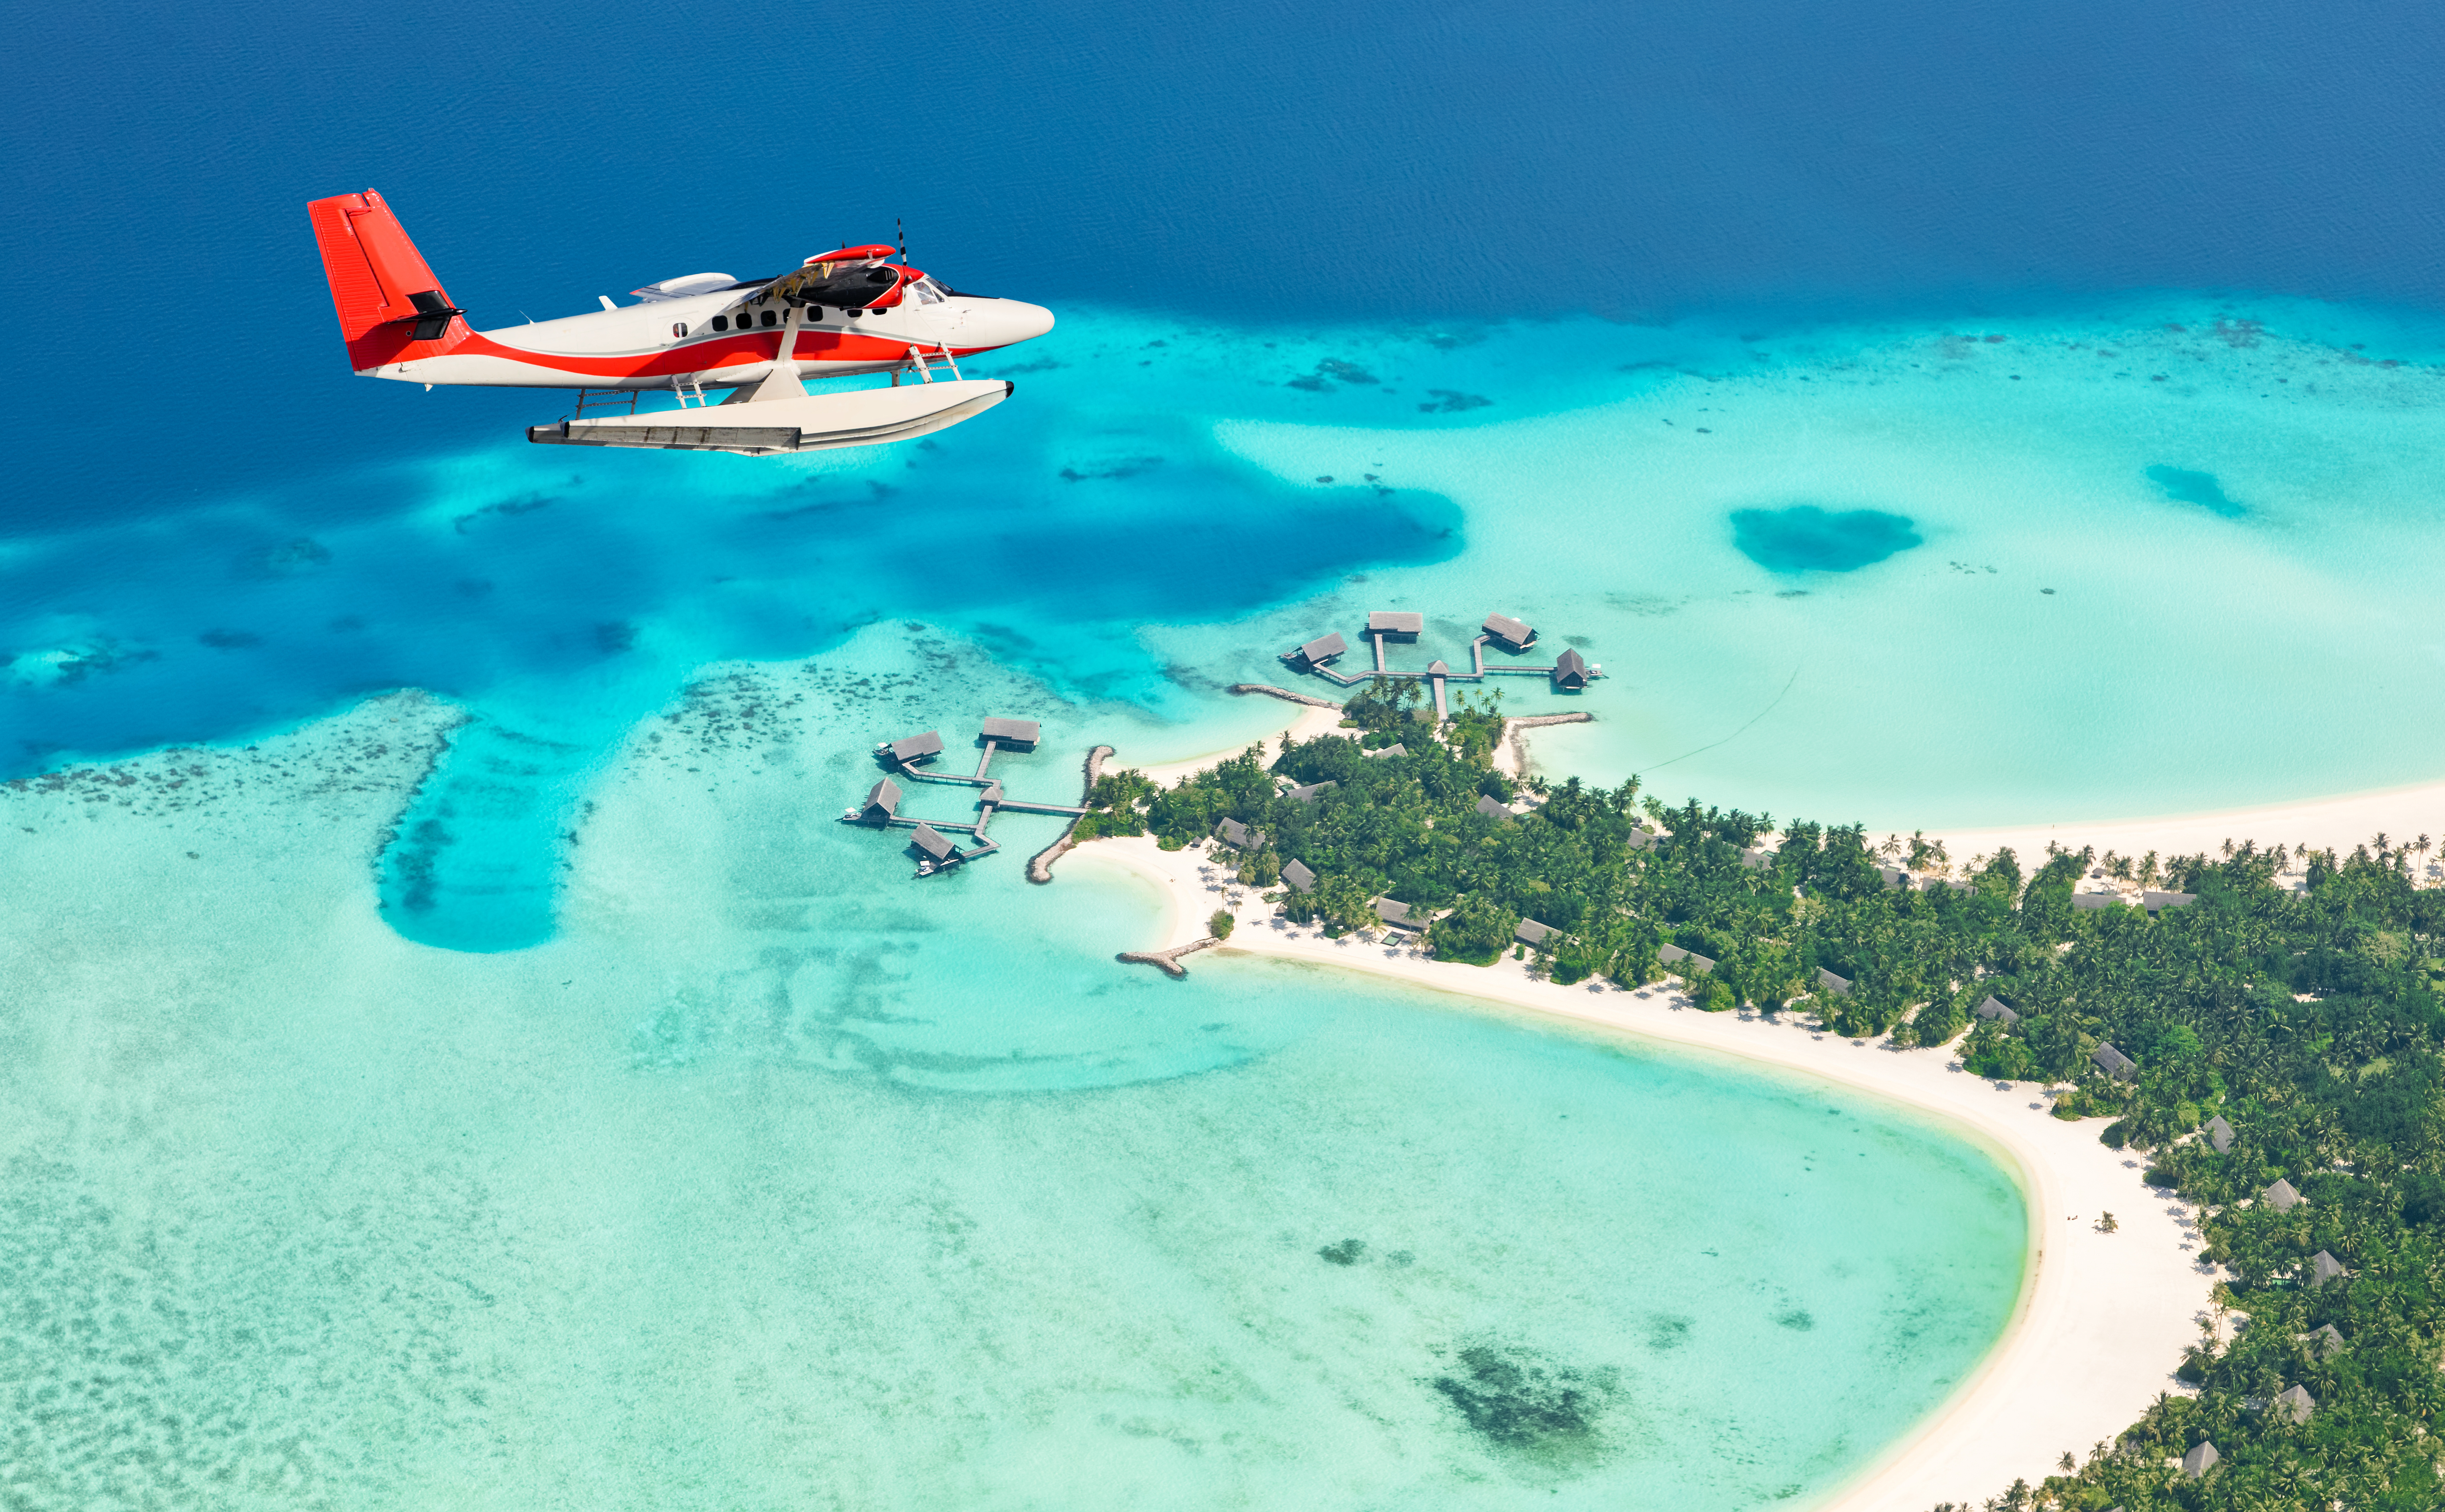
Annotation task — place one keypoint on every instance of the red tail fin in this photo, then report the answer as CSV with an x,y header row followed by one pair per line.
x,y
387,298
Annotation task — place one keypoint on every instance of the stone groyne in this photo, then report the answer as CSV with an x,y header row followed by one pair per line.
x,y
1039,865
1519,748
1286,695
1166,960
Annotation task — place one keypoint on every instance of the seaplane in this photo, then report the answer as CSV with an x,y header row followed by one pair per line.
x,y
846,312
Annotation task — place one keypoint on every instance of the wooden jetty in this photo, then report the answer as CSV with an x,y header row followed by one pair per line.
x,y
1570,672
881,808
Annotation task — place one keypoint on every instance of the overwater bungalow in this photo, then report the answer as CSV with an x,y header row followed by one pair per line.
x,y
882,803
1571,672
2282,1197
937,846
1011,734
2219,1133
1321,651
1994,1007
2113,1062
915,748
1395,625
1514,635
1299,876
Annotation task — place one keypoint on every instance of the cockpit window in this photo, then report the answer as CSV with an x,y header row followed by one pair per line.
x,y
927,290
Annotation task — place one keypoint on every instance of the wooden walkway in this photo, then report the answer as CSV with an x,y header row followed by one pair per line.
x,y
990,801
1478,669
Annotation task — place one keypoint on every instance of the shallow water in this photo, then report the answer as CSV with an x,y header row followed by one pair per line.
x,y
1912,575
780,1176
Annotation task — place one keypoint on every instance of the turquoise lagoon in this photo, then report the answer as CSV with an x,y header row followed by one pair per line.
x,y
774,1179
535,1097
1934,575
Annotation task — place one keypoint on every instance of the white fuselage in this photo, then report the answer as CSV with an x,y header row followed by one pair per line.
x,y
670,343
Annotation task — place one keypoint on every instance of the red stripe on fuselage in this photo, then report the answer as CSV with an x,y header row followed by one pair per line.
x,y
737,349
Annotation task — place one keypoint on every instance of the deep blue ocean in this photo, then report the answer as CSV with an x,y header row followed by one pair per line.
x,y
211,528
1270,163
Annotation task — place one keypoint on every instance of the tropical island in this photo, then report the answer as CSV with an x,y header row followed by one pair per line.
x,y
2272,1054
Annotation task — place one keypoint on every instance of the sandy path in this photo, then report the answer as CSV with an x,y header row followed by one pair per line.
x,y
2103,1317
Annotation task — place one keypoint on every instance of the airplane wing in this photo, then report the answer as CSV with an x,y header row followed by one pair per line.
x,y
849,278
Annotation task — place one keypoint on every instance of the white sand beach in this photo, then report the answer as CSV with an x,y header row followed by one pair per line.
x,y
2103,1317
1299,721
2337,822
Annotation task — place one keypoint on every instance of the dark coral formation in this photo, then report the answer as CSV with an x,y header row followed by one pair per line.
x,y
1519,1403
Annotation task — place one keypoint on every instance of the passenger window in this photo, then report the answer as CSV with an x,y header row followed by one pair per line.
x,y
772,318
679,331
721,323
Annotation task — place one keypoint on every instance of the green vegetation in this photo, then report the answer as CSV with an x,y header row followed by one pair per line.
x,y
1219,923
2309,1020
1116,801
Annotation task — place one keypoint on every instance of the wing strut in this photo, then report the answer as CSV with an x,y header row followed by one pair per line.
x,y
781,380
